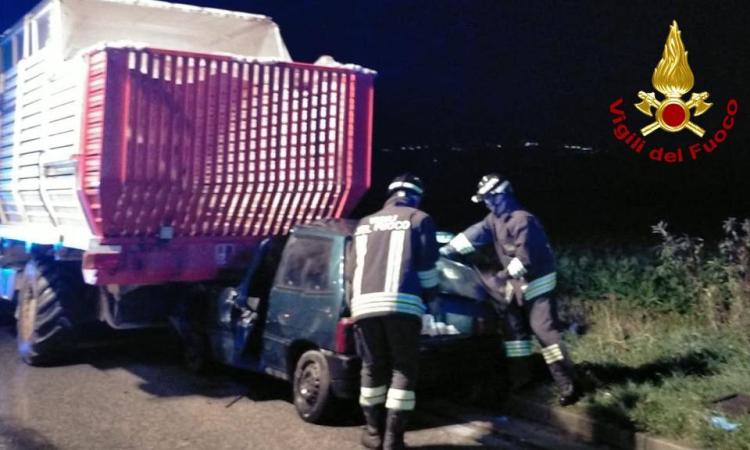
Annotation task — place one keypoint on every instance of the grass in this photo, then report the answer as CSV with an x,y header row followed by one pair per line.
x,y
661,374
667,333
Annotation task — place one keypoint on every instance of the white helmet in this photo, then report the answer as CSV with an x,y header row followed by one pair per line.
x,y
491,184
406,182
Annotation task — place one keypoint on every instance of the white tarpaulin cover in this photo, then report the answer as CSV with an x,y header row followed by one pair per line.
x,y
85,23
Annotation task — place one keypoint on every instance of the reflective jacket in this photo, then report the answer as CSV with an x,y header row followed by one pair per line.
x,y
520,243
395,251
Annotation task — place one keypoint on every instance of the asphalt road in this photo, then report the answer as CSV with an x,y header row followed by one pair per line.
x,y
135,394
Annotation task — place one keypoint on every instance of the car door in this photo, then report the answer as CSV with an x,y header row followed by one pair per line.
x,y
306,297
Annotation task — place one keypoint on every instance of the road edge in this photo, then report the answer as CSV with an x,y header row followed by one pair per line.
x,y
573,424
586,428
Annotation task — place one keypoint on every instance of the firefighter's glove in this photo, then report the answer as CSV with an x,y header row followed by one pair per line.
x,y
516,268
508,294
447,251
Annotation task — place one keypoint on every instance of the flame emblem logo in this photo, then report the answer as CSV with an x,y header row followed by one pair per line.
x,y
673,78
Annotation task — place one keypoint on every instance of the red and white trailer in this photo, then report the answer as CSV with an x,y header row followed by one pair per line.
x,y
148,147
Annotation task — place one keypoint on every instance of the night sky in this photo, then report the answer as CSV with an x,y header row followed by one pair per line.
x,y
477,73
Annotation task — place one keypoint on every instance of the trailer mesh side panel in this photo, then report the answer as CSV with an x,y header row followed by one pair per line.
x,y
217,147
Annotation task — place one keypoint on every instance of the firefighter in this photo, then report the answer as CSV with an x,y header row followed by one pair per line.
x,y
526,283
394,277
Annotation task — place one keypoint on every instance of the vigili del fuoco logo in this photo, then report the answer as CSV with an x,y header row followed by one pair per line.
x,y
673,79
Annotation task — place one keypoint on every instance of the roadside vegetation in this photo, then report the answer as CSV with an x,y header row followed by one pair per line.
x,y
667,332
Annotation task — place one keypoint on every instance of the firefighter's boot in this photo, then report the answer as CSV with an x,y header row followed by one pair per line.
x,y
561,368
395,428
569,393
372,435
568,390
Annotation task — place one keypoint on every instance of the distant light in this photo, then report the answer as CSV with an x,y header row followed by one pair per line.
x,y
578,147
531,144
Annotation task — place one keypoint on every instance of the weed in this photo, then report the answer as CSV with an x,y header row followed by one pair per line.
x,y
667,331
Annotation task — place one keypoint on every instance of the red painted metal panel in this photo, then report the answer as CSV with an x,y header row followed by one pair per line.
x,y
214,151
92,140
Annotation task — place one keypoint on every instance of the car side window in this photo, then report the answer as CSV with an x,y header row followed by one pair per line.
x,y
305,264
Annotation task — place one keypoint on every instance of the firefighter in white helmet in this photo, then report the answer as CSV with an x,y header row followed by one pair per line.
x,y
394,276
526,283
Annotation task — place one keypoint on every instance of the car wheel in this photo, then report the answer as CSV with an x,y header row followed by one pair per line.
x,y
312,381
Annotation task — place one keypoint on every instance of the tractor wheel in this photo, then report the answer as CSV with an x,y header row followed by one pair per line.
x,y
312,380
53,302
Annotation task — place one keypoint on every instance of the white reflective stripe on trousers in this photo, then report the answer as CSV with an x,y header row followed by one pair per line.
x,y
400,399
369,396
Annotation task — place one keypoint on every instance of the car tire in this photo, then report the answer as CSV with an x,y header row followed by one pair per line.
x,y
52,305
312,387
